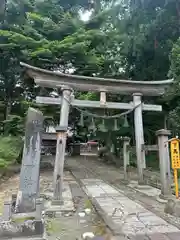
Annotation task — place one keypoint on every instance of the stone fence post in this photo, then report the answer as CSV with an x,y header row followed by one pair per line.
x,y
7,213
126,152
164,162
39,208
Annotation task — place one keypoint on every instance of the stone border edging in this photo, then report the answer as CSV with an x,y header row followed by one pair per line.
x,y
107,219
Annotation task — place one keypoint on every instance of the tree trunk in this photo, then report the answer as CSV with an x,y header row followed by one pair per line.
x,y
2,9
165,121
8,109
6,114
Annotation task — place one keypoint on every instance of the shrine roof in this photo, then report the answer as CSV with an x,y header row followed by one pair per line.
x,y
54,79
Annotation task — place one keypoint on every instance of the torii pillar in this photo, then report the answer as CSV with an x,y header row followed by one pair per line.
x,y
139,135
60,147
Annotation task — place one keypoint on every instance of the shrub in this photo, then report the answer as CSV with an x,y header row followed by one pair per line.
x,y
10,148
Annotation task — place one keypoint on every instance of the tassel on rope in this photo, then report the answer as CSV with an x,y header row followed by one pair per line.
x,y
92,125
81,122
115,125
126,124
102,127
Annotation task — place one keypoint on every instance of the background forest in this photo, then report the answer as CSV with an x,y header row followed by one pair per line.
x,y
128,39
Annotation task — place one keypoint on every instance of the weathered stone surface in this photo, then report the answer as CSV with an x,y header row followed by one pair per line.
x,y
173,207
28,228
123,215
57,206
7,211
145,189
29,176
50,79
27,238
24,216
174,236
158,236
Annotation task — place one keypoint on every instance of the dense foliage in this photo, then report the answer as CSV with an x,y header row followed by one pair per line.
x,y
9,152
132,39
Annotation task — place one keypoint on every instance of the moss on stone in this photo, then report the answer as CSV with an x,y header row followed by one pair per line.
x,y
23,219
53,226
88,204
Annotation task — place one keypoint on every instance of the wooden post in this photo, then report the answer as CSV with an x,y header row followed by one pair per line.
x,y
175,161
176,183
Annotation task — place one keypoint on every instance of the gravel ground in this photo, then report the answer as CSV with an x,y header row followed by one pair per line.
x,y
68,226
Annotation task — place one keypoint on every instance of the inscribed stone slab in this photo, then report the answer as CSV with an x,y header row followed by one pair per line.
x,y
29,175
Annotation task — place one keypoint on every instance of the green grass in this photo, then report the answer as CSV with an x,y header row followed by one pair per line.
x,y
10,148
53,226
88,204
22,220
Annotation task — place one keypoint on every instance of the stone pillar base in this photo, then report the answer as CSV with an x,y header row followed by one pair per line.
x,y
125,181
172,207
141,182
165,197
57,202
143,186
22,230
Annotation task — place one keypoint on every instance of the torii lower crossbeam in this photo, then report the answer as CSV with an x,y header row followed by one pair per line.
x,y
96,104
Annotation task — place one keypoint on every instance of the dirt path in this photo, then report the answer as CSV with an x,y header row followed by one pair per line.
x,y
7,187
11,185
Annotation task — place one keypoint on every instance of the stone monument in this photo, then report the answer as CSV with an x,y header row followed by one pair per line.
x,y
25,218
29,175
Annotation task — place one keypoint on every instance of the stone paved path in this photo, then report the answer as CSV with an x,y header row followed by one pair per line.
x,y
129,213
124,215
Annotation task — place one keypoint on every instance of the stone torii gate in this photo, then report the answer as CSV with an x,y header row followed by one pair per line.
x,y
68,82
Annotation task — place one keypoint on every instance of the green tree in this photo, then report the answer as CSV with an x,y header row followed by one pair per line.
x,y
131,40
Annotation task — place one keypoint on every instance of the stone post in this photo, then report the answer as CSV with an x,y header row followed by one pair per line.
x,y
102,98
164,162
39,208
139,135
6,216
61,145
126,141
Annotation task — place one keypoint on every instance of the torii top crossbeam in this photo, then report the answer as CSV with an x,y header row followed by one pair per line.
x,y
56,80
